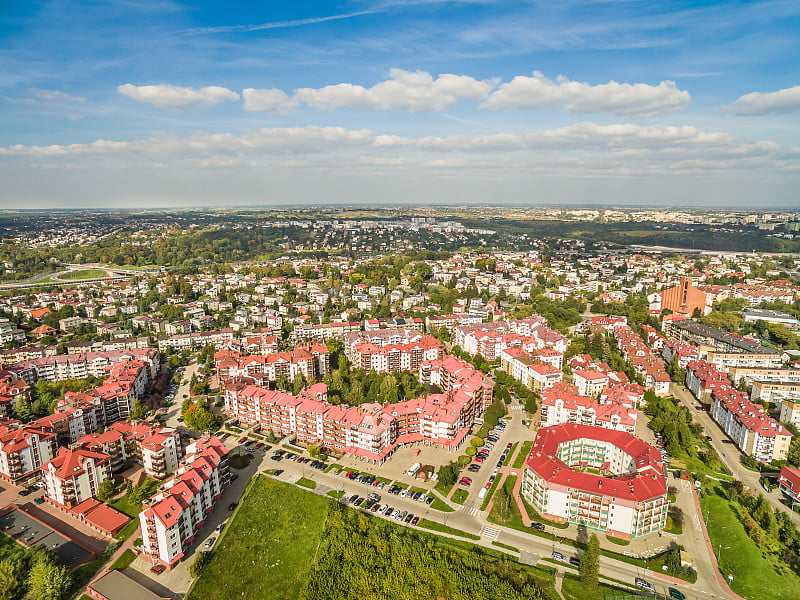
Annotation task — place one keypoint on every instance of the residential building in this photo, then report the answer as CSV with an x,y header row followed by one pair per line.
x,y
75,475
628,500
23,450
170,520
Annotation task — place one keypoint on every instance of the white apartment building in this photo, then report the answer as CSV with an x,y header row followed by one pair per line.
x,y
75,475
170,519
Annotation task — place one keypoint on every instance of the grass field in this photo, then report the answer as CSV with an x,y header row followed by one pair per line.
x,y
268,551
439,504
459,496
132,509
84,274
307,483
433,526
756,576
523,454
125,559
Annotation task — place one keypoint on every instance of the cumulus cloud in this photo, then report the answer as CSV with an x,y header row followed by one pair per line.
x,y
636,100
175,97
271,100
768,103
413,92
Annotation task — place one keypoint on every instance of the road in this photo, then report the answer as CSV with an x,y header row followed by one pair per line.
x,y
728,452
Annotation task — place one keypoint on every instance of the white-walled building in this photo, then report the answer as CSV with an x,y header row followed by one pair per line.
x,y
75,475
170,519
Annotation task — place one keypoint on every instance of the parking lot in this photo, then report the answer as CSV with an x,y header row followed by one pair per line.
x,y
29,531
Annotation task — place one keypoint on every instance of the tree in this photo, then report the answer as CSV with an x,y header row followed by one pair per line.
x,y
106,490
12,579
23,410
590,563
47,580
138,411
448,474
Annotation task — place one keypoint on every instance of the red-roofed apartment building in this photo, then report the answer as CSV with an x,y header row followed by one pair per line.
x,y
75,475
172,517
630,502
23,449
789,483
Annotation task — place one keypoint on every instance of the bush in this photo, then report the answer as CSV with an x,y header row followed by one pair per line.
x,y
464,460
470,451
477,442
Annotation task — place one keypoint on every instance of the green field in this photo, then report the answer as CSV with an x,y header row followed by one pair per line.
x,y
757,575
268,550
459,496
84,274
523,454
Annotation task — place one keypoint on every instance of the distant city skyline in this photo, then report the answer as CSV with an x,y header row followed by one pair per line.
x,y
576,103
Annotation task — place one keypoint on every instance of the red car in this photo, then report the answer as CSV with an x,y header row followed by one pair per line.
x,y
478,459
243,439
158,569
259,444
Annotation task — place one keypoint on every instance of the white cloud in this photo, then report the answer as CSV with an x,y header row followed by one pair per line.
x,y
583,148
768,103
55,96
622,99
176,97
271,100
414,92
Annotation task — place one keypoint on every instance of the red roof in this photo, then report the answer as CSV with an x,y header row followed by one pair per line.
x,y
646,482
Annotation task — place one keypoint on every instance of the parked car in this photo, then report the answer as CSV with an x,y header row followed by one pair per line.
x,y
402,515
415,520
575,561
408,518
38,500
646,585
218,528
423,497
234,476
677,594
394,514
559,557
209,543
232,506
278,472
358,502
429,500
537,526
158,569
251,456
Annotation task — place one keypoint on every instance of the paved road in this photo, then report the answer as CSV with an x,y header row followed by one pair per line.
x,y
728,452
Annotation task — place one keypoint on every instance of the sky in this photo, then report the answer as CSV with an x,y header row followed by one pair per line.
x,y
140,103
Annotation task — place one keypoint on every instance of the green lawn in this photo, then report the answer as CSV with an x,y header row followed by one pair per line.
x,y
523,454
335,494
269,548
125,559
459,496
439,504
128,507
128,530
573,589
433,526
307,483
757,575
84,274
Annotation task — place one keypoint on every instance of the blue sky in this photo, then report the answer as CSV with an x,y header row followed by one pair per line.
x,y
140,103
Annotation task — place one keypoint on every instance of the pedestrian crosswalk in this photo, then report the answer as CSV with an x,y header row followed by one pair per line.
x,y
516,407
473,512
490,532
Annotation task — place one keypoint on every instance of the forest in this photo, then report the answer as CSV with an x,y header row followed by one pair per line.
x,y
364,559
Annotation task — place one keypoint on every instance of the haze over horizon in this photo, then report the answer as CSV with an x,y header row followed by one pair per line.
x,y
393,102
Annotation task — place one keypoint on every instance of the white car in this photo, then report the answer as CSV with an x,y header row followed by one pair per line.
x,y
403,493
395,513
423,498
210,542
